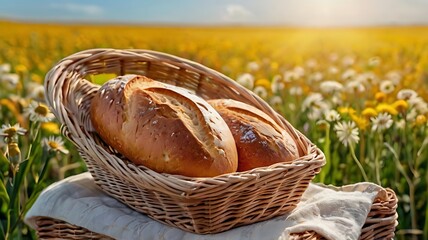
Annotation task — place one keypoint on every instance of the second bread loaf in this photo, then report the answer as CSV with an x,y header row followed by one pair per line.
x,y
259,140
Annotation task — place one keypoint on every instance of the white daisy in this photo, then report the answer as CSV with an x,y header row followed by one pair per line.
x,y
333,57
261,91
36,91
333,70
331,115
336,100
387,86
296,91
316,77
38,112
316,106
311,100
355,86
54,144
374,61
246,80
419,104
411,115
290,76
10,79
381,122
253,66
394,76
368,79
276,101
315,114
5,68
347,132
311,63
349,74
328,87
277,85
9,131
406,94
299,71
348,61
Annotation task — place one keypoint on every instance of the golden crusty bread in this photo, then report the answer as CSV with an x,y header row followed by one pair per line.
x,y
260,141
163,127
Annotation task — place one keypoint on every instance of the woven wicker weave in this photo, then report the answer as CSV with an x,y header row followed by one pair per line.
x,y
200,205
49,228
380,224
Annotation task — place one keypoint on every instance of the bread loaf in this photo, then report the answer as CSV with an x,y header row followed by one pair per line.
x,y
163,127
260,141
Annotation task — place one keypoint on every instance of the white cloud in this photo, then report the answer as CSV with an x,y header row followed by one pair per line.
x,y
235,12
79,8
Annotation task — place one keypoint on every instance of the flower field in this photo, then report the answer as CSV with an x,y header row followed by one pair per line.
x,y
359,94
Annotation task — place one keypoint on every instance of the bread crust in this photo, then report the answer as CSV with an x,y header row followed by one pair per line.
x,y
163,127
259,140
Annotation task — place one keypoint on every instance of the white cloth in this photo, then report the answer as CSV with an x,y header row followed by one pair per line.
x,y
335,213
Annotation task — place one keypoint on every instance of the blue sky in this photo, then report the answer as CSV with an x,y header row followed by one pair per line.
x,y
212,12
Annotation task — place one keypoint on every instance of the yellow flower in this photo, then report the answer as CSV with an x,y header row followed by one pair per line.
x,y
274,66
400,105
369,104
263,82
362,122
380,96
369,112
21,68
421,120
50,127
383,107
347,110
36,78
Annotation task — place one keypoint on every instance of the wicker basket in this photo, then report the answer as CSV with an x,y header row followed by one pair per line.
x,y
49,228
200,205
380,224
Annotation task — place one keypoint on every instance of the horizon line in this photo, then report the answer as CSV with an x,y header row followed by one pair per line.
x,y
175,24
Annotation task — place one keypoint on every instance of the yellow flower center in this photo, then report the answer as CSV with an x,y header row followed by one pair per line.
x,y
42,110
53,145
11,131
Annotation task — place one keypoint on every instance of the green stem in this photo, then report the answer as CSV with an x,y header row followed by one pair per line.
x,y
7,225
411,187
358,163
327,167
377,164
426,210
362,148
46,156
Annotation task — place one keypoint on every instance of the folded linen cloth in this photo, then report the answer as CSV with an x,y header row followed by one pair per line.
x,y
335,213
